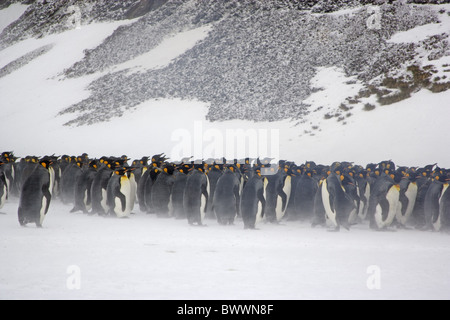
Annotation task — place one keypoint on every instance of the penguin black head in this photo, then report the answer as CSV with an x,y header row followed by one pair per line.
x,y
144,161
429,168
65,158
412,174
8,157
396,176
198,167
158,159
169,169
230,167
297,170
264,163
183,168
84,158
440,175
361,174
120,171
337,167
388,164
93,164
309,172
257,171
422,172
310,165
46,163
248,161
346,179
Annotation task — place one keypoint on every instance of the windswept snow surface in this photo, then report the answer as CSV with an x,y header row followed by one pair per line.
x,y
75,256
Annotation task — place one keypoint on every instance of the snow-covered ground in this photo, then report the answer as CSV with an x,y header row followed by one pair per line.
x,y
75,256
149,258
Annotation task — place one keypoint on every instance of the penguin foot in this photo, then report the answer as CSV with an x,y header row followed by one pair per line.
x,y
336,229
403,227
386,229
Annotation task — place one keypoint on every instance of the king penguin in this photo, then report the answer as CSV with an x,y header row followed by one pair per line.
x,y
276,192
432,200
407,198
119,194
423,182
195,198
226,197
68,181
213,175
363,188
35,195
252,200
384,201
337,203
3,187
99,186
177,194
305,191
161,192
320,215
83,184
444,205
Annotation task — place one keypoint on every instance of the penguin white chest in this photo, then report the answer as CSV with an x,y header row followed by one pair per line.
x,y
125,190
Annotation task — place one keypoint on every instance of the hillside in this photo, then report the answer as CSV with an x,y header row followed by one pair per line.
x,y
313,70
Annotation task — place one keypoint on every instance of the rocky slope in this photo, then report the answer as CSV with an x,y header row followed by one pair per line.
x,y
258,59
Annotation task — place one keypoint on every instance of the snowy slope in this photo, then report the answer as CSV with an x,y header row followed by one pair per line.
x,y
10,15
33,95
76,256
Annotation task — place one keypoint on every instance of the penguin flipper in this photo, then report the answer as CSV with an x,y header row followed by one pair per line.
x,y
205,194
238,201
284,199
263,202
384,204
48,196
123,200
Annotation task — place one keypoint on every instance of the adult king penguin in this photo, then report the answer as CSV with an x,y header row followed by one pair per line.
x,y
161,191
384,200
407,198
433,199
119,194
277,188
177,195
35,195
252,200
226,197
195,197
337,203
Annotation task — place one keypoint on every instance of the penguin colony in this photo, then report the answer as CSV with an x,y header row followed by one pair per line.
x,y
252,190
